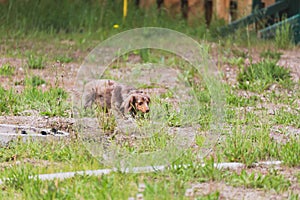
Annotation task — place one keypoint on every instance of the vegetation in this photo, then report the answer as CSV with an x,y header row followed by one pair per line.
x,y
261,107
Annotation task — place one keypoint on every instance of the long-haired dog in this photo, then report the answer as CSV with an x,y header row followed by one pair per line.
x,y
122,99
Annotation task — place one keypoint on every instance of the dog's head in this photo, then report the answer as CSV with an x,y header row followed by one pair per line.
x,y
137,102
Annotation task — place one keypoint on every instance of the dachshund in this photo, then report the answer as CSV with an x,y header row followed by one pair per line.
x,y
98,92
122,99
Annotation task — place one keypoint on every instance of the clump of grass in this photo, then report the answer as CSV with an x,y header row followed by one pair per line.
x,y
57,151
63,59
273,180
249,146
240,101
50,103
269,54
18,178
236,61
9,101
7,70
35,62
172,117
34,81
290,152
259,76
107,121
284,36
287,118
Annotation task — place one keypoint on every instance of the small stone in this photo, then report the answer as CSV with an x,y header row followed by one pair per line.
x,y
271,112
142,187
189,192
273,87
140,196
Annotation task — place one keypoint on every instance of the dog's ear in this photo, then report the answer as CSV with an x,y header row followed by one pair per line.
x,y
110,83
129,103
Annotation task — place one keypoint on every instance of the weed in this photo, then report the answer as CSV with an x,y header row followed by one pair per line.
x,y
198,172
211,196
71,154
168,94
287,118
236,61
7,70
284,37
51,102
35,62
290,152
19,178
145,55
273,180
269,54
240,53
250,145
63,59
9,101
107,121
34,81
241,101
172,116
258,77
294,196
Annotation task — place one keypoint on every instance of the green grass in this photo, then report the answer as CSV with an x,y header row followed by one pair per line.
x,y
250,145
63,59
45,32
284,37
260,76
7,70
52,102
272,180
34,81
269,54
290,152
35,62
170,184
287,118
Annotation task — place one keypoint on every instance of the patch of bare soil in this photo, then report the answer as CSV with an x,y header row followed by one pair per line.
x,y
59,123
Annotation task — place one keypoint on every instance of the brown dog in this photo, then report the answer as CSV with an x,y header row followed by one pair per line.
x,y
109,94
98,92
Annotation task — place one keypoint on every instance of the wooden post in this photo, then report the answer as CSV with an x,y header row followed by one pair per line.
x,y
244,7
145,4
196,11
222,9
173,6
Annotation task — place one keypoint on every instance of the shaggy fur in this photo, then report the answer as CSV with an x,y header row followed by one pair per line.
x,y
109,94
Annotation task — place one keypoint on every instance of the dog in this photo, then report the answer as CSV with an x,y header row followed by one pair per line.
x,y
122,99
98,92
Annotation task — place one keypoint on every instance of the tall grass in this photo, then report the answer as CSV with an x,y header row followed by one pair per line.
x,y
84,17
284,37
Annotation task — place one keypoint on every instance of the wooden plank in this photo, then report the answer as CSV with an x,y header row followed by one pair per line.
x,y
222,9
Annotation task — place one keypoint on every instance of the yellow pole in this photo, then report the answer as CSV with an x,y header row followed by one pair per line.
x,y
125,9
